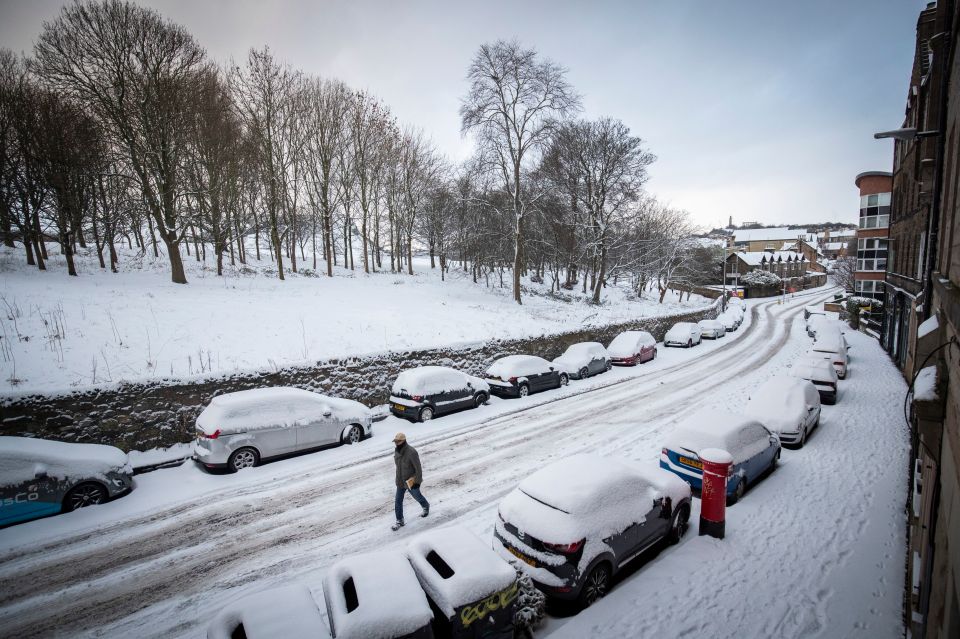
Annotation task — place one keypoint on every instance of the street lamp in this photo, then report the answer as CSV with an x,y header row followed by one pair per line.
x,y
905,135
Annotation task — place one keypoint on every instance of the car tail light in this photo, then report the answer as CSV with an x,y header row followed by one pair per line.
x,y
562,589
417,398
512,380
565,549
215,434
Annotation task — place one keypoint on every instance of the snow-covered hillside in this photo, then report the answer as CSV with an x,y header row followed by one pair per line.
x,y
60,333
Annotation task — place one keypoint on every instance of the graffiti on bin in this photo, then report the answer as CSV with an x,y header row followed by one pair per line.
x,y
494,602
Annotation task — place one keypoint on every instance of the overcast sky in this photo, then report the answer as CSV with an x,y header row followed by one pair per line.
x,y
760,110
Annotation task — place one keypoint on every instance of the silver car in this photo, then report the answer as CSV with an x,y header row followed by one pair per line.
x,y
239,430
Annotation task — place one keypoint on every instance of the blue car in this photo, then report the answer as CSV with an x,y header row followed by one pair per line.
x,y
755,450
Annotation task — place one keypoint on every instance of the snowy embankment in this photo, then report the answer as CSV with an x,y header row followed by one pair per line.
x,y
61,333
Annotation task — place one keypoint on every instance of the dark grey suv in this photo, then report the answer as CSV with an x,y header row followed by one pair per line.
x,y
576,522
39,477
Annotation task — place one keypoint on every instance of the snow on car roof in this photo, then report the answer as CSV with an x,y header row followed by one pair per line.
x,y
818,370
584,348
710,322
428,380
390,602
682,325
628,339
280,406
477,570
517,366
828,342
60,460
710,429
289,612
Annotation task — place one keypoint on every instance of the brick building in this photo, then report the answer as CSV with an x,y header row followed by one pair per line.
x,y
872,243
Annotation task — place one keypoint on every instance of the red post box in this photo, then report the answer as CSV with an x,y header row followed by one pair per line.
x,y
713,494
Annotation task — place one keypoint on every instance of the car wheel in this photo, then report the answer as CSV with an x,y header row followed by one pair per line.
x,y
596,585
681,522
83,495
564,379
689,343
654,355
426,414
243,458
583,373
803,437
354,435
481,399
738,492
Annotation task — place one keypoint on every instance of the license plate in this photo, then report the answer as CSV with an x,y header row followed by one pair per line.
x,y
399,407
522,557
691,462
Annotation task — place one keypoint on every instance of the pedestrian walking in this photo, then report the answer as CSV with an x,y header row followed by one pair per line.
x,y
409,477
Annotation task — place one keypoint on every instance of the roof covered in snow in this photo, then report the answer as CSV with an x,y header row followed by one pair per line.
x,y
760,235
756,258
716,429
517,366
61,460
279,406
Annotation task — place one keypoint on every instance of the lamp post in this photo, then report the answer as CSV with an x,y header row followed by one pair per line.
x,y
723,302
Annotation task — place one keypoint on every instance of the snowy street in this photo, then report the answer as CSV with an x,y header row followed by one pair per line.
x,y
821,538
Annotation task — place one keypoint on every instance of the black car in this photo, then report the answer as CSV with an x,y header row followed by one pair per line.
x,y
422,393
520,375
579,520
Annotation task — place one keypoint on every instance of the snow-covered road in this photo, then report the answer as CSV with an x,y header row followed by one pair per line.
x,y
818,541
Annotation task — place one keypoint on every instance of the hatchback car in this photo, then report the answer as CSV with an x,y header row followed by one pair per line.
x,y
520,375
712,329
755,450
731,321
239,430
787,406
833,348
422,393
630,348
583,360
821,374
40,477
685,334
576,522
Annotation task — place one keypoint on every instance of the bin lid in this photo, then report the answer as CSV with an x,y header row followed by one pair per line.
x,y
290,612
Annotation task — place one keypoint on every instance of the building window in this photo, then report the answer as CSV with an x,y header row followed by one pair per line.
x,y
869,288
875,211
872,254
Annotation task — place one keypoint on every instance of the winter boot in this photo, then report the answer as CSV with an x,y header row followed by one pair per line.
x,y
426,511
397,526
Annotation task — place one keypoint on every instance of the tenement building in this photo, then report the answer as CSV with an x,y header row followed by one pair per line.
x,y
872,232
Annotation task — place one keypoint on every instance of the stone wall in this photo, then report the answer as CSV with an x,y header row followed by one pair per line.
x,y
139,416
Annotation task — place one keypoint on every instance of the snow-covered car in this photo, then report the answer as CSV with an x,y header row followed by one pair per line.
x,y
820,325
731,321
584,360
788,406
376,595
630,348
576,522
832,347
240,430
738,302
821,373
712,329
812,310
685,334
473,589
289,612
755,450
520,375
40,477
422,393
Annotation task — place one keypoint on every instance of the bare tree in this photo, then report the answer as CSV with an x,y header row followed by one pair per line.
x,y
512,106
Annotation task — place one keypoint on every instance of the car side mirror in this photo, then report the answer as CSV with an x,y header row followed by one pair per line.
x,y
665,508
327,412
551,368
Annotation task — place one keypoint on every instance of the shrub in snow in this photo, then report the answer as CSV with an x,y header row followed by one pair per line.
x,y
531,605
760,278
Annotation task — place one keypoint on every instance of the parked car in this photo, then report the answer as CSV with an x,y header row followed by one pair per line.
x,y
473,590
376,595
819,325
40,477
712,329
422,393
832,347
289,612
731,321
584,360
240,430
630,348
821,374
520,375
576,522
755,450
737,302
685,334
788,406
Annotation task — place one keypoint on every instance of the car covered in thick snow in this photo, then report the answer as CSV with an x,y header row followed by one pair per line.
x,y
712,329
420,394
833,348
788,406
755,450
575,523
287,612
731,321
239,430
40,477
583,360
685,334
473,590
376,596
821,373
521,375
630,348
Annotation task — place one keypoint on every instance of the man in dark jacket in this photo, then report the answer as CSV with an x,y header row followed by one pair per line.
x,y
409,477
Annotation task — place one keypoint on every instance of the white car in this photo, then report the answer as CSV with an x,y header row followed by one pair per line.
x,y
832,347
788,406
736,302
712,329
822,374
684,334
730,321
584,360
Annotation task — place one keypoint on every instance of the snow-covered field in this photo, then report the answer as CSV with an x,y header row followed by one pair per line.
x,y
61,333
814,550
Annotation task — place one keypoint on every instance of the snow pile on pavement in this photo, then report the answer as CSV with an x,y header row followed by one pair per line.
x,y
59,460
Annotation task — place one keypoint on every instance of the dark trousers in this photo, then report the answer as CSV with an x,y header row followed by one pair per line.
x,y
398,502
